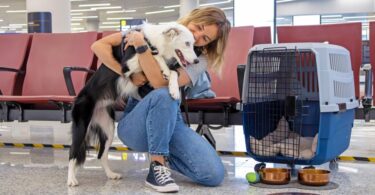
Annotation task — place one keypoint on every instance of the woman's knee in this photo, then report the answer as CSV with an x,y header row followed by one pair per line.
x,y
211,175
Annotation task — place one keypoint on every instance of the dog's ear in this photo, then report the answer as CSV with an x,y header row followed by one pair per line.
x,y
171,33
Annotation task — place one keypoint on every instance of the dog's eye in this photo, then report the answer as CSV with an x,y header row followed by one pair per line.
x,y
187,44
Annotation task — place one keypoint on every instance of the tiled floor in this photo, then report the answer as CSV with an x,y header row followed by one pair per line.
x,y
44,171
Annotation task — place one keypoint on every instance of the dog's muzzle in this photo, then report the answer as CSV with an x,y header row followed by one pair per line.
x,y
183,60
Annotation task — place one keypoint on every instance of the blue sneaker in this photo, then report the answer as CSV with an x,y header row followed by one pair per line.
x,y
159,178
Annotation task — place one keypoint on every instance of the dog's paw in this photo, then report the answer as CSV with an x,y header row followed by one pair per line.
x,y
72,182
114,176
166,74
174,92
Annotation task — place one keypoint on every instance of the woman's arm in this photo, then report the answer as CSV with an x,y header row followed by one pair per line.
x,y
103,50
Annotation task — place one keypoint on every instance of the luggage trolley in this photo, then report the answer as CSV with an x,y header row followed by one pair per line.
x,y
298,103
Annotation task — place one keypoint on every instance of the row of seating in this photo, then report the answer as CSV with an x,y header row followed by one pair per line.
x,y
34,88
32,75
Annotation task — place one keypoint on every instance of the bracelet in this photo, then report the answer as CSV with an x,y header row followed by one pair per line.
x,y
141,49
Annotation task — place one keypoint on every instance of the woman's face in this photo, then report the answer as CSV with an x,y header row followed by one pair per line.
x,y
203,34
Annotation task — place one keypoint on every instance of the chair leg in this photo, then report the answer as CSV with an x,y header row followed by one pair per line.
x,y
2,112
204,130
21,117
199,129
5,112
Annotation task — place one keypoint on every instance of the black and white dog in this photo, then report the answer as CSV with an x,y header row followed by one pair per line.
x,y
93,112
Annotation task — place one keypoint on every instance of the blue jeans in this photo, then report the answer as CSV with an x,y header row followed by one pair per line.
x,y
155,125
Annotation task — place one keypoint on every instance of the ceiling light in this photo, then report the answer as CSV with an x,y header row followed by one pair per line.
x,y
216,3
84,17
11,27
161,11
76,19
101,8
121,11
123,18
172,6
94,5
16,11
75,24
17,25
4,6
333,19
78,28
115,26
359,17
332,16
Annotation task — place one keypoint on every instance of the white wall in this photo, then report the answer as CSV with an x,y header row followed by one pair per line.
x,y
253,12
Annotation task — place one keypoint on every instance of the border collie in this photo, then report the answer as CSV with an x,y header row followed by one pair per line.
x,y
93,115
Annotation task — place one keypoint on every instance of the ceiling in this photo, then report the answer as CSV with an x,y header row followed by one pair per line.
x,y
103,21
16,22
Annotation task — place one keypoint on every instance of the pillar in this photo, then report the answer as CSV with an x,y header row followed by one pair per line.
x,y
60,11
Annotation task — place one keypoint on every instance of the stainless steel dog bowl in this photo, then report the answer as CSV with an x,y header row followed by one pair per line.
x,y
274,176
313,177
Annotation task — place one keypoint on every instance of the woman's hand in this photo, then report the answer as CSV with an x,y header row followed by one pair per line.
x,y
135,38
138,78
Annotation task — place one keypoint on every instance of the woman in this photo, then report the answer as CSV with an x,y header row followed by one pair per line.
x,y
154,124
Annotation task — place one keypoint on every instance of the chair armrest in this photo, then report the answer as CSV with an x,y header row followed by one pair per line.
x,y
240,76
68,77
12,70
6,69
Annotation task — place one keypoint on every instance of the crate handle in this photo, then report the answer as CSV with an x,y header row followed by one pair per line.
x,y
275,48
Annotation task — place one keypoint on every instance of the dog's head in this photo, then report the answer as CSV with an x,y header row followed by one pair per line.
x,y
180,44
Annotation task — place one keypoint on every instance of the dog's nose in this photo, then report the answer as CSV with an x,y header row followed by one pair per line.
x,y
196,61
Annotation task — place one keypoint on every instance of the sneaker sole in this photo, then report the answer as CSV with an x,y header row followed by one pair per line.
x,y
167,188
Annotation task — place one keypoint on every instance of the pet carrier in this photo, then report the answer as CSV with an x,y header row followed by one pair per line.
x,y
298,103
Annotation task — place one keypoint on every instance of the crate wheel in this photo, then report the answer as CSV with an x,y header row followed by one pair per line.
x,y
259,166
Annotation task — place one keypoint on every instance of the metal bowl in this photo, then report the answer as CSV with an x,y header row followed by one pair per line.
x,y
313,177
274,176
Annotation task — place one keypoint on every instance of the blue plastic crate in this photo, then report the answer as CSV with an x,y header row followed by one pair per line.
x,y
334,132
294,95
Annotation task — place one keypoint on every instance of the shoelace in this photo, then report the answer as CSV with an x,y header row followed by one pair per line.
x,y
162,174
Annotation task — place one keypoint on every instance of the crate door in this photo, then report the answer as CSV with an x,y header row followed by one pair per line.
x,y
276,98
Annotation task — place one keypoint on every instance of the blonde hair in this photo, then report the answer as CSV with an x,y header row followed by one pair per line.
x,y
215,49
